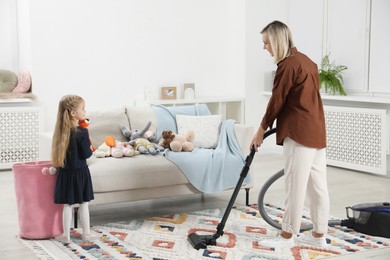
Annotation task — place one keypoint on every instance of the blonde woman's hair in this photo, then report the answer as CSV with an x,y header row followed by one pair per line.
x,y
280,39
63,128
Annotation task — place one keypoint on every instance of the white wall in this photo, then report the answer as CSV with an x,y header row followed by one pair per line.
x,y
258,63
379,43
8,36
109,51
348,40
308,29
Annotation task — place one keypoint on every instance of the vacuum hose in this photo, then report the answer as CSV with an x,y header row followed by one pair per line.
x,y
263,191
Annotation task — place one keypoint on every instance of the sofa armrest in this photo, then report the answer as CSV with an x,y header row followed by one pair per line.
x,y
45,140
244,136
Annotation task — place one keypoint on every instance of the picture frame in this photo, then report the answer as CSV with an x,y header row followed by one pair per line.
x,y
168,92
189,91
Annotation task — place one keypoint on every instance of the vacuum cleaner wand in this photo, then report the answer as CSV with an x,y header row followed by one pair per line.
x,y
202,241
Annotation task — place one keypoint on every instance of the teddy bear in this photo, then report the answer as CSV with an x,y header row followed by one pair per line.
x,y
166,139
177,142
114,148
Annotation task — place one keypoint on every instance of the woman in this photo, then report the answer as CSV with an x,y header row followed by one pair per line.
x,y
297,106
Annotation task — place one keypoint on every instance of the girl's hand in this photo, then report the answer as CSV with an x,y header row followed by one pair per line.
x,y
257,140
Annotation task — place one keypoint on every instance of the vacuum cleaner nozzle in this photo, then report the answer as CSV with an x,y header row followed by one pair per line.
x,y
201,241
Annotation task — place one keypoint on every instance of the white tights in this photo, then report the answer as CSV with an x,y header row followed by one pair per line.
x,y
67,218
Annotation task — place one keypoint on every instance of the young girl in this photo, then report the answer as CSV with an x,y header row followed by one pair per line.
x,y
70,149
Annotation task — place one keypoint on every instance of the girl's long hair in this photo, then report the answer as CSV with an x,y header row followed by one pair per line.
x,y
63,128
280,39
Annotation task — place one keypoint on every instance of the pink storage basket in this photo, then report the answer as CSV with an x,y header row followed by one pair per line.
x,y
39,217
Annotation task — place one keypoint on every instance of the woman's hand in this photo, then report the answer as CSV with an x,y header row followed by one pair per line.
x,y
257,138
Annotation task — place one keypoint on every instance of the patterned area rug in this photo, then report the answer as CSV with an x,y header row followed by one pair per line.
x,y
165,237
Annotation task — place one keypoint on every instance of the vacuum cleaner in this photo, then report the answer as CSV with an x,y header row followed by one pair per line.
x,y
202,241
369,218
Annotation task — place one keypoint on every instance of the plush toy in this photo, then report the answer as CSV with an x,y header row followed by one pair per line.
x,y
143,140
114,148
144,146
176,142
84,123
151,136
122,149
134,133
166,139
102,151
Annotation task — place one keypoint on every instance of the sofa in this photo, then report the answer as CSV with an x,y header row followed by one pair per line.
x,y
143,176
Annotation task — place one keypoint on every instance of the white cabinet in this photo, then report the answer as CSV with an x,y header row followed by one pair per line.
x,y
357,138
307,30
338,27
380,42
229,108
348,40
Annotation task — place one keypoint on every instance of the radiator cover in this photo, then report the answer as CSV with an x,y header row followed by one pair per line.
x,y
356,138
19,135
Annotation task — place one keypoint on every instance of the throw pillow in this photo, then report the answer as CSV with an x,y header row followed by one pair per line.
x,y
24,82
106,122
206,129
8,81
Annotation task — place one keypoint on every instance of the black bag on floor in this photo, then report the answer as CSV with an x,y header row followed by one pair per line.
x,y
369,218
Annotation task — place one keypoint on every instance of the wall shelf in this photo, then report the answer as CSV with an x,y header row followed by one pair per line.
x,y
229,108
15,100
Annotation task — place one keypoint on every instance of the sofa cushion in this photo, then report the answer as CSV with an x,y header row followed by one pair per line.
x,y
206,129
137,172
139,116
24,82
8,81
104,123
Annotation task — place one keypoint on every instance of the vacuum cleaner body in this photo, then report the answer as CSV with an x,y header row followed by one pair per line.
x,y
369,218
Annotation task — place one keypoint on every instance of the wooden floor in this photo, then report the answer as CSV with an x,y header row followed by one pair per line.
x,y
347,188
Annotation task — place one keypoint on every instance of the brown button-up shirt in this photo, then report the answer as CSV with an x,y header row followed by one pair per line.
x,y
296,102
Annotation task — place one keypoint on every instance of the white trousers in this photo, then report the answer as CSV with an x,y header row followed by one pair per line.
x,y
305,173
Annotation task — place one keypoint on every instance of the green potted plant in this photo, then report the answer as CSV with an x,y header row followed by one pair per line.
x,y
331,76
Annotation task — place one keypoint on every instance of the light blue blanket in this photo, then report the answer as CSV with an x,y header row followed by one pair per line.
x,y
213,170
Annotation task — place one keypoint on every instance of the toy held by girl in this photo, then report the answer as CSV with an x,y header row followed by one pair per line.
x,y
70,149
